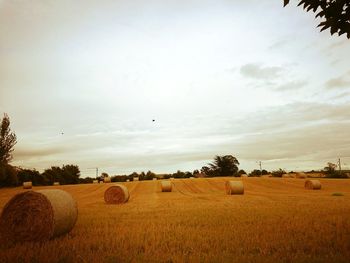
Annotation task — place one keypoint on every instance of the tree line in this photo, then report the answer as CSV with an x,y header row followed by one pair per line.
x,y
226,165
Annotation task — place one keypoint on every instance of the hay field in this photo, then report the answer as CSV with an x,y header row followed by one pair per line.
x,y
276,220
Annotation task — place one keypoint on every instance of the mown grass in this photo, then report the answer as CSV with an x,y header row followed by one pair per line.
x,y
274,221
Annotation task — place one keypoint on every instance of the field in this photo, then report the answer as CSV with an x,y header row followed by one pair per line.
x,y
276,220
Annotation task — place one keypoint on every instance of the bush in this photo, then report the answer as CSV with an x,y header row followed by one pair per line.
x,y
8,175
278,173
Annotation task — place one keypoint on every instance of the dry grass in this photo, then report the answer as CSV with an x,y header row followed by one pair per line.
x,y
276,220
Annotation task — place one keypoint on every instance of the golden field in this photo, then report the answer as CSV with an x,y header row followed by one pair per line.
x,y
276,220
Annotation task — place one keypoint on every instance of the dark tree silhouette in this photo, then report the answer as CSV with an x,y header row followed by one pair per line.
x,y
336,14
8,140
224,165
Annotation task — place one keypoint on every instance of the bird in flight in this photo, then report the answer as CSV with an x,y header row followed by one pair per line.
x,y
153,120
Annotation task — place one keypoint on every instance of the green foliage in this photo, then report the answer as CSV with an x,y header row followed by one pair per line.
x,y
240,172
25,175
86,180
119,178
335,14
8,175
278,173
257,173
68,174
8,140
331,172
224,166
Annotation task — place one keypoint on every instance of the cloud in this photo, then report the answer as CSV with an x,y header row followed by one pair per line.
x,y
342,81
258,71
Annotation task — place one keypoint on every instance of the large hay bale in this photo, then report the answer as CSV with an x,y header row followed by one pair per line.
x,y
166,186
136,178
244,175
285,176
313,184
234,188
95,181
27,185
301,175
107,180
38,216
116,194
155,179
56,183
101,182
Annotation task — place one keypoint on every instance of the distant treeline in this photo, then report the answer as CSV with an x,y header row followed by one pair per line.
x,y
70,174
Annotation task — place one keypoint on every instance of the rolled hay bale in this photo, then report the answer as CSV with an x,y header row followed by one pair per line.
x,y
116,194
166,186
27,185
313,184
301,175
285,176
191,177
95,181
171,178
56,183
101,182
234,187
154,179
128,180
38,216
136,178
107,180
244,175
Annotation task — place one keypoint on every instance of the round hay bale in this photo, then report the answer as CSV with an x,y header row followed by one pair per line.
x,y
301,175
136,178
191,177
171,178
154,179
128,180
95,181
56,183
234,188
313,184
27,185
101,182
116,194
107,180
285,176
244,175
38,216
166,186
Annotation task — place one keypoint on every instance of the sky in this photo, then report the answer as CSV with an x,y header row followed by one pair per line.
x,y
82,82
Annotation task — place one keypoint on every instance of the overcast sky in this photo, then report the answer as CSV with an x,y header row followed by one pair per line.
x,y
248,78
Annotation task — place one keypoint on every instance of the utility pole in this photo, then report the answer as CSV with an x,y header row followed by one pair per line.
x,y
339,165
96,168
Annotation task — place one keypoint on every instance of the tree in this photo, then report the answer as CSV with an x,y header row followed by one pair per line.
x,y
8,140
224,166
278,173
8,175
330,171
240,172
336,14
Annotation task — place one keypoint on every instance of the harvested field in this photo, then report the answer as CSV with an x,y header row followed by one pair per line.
x,y
276,220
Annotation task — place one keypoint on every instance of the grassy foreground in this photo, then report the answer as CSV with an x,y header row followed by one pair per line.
x,y
276,220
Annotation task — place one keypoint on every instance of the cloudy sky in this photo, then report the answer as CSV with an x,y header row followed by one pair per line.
x,y
248,78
